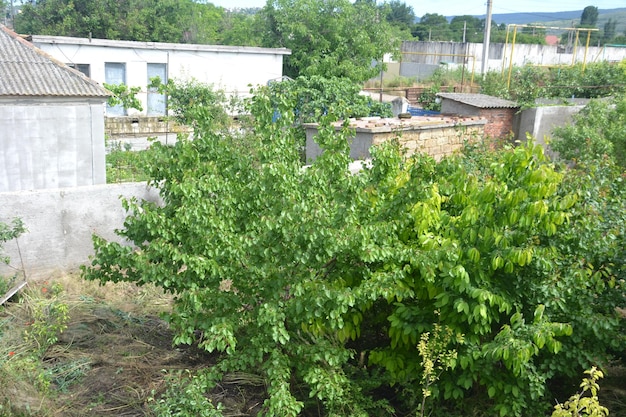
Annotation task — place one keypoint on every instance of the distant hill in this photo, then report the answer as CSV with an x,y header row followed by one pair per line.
x,y
561,19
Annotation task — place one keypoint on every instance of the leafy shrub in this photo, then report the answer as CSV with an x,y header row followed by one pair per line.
x,y
526,84
10,232
124,165
580,405
193,102
184,397
124,96
325,282
598,132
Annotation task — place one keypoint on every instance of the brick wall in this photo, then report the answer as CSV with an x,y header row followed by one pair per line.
x,y
499,122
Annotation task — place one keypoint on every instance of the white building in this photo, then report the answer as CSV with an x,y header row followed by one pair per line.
x,y
230,68
51,121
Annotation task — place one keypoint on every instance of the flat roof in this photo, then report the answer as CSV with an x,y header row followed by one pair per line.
x,y
67,40
392,124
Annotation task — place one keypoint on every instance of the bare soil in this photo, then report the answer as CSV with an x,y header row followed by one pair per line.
x,y
114,359
116,354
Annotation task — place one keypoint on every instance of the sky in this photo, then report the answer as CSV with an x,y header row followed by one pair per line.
x,y
472,7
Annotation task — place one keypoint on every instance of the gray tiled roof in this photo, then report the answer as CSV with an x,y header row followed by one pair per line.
x,y
28,71
480,100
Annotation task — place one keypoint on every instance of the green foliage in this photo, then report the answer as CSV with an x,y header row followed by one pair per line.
x,y
580,405
325,282
193,102
598,132
184,397
10,232
435,359
180,21
316,96
124,96
330,38
526,84
125,165
50,317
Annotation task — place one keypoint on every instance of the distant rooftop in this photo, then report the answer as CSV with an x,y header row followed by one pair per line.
x,y
27,71
482,101
67,40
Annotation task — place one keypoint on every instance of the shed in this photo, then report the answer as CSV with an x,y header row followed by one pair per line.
x,y
499,113
51,121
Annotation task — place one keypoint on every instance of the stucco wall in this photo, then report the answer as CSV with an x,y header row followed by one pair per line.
x,y
539,122
61,222
51,144
229,68
419,57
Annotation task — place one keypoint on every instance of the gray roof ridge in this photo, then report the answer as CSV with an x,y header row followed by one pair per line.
x,y
95,89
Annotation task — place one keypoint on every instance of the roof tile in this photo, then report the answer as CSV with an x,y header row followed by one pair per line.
x,y
27,71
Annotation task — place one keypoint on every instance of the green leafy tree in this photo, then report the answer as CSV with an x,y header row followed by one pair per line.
x,y
240,28
599,132
324,282
472,26
10,232
585,403
589,17
332,38
609,30
400,14
433,26
138,20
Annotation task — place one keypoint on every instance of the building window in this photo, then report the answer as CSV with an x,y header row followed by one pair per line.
x,y
84,68
156,102
115,73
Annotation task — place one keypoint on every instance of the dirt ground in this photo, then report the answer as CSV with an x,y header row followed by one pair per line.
x,y
116,355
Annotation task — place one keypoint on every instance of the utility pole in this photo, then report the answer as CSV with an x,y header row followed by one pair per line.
x,y
485,65
464,29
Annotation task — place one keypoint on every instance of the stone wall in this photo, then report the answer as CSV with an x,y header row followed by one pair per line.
x,y
437,136
437,141
128,126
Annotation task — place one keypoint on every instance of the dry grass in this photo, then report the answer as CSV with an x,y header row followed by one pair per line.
x,y
113,358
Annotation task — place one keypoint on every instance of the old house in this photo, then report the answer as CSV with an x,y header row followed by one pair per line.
x,y
231,68
51,121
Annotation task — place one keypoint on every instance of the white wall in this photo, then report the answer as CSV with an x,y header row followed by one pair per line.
x,y
501,55
230,68
51,143
61,223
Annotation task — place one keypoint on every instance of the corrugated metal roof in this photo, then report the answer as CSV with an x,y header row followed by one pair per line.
x,y
482,101
27,71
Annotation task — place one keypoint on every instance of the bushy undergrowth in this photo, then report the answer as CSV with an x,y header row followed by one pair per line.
x,y
334,286
528,83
